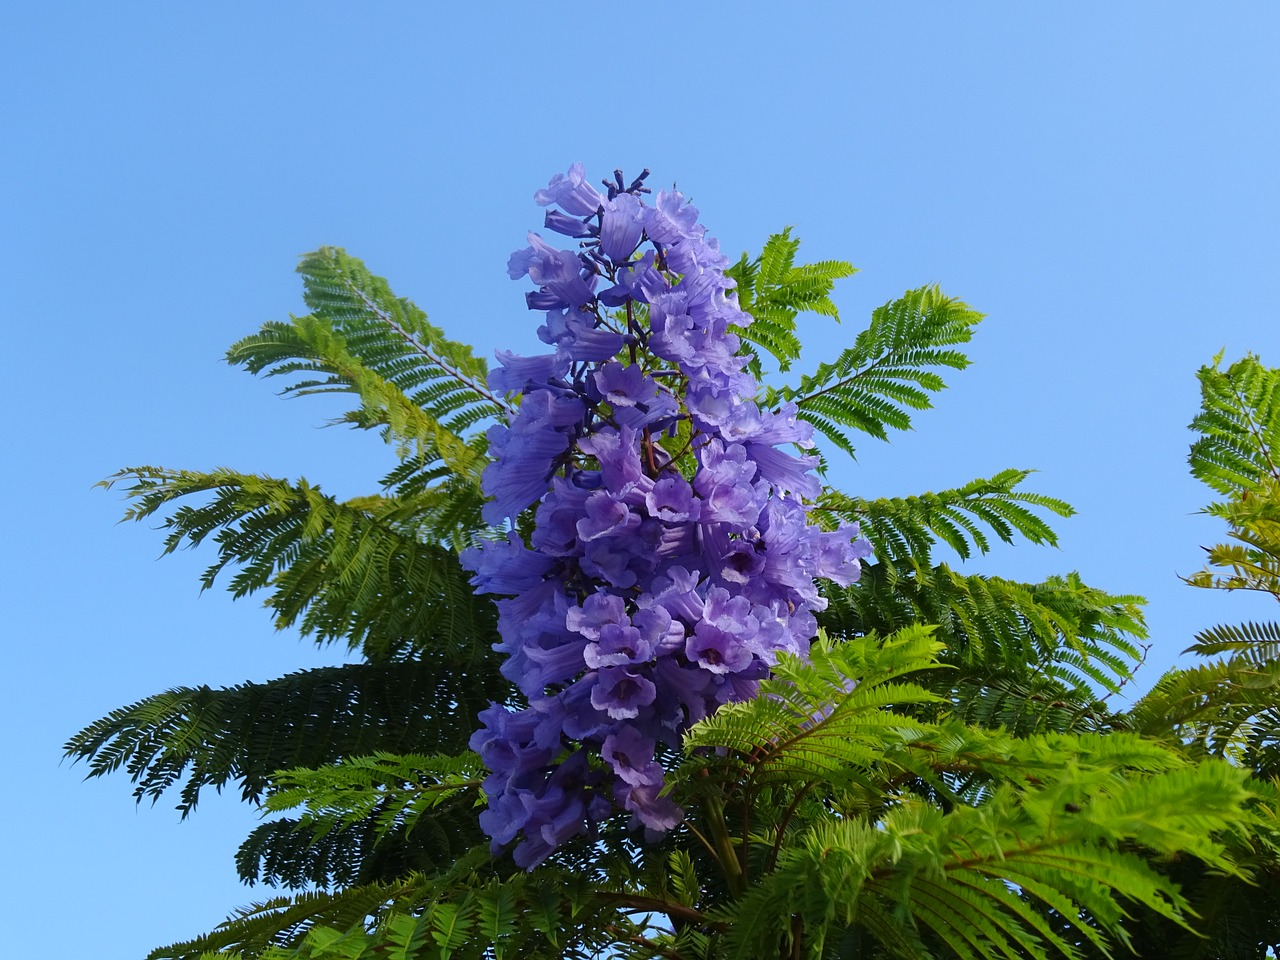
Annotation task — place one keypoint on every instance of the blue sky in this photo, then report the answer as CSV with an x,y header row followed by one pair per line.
x,y
1100,179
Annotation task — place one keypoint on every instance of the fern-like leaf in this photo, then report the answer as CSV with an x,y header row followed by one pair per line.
x,y
1239,426
426,392
245,733
890,370
357,571
1060,629
904,529
827,717
774,291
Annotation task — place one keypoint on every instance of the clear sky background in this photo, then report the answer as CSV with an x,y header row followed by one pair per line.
x,y
1099,178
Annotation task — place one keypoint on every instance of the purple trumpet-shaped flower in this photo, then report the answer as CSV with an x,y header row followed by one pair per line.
x,y
621,693
625,386
616,562
579,339
571,192
630,754
597,612
572,708
717,650
558,662
566,225
525,452
506,566
558,273
673,219
672,500
639,281
621,226
556,531
676,593
618,454
784,472
743,561
618,646
726,483
657,813
606,517
516,372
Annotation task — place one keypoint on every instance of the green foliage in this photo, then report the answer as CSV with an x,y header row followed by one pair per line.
x,y
978,882
938,779
247,732
1227,704
1253,560
461,912
358,571
422,390
890,369
775,291
1028,655
371,331
386,815
365,818
254,929
871,386
1061,629
825,718
826,815
923,831
1239,426
905,529
394,792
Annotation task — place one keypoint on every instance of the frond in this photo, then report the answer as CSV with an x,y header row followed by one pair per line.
x,y
827,717
244,734
358,571
1239,426
395,791
545,916
775,291
1025,705
284,921
1227,708
425,391
1252,562
1060,629
890,370
904,529
1259,642
309,852
365,819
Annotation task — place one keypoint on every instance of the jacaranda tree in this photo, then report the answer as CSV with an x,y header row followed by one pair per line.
x,y
633,680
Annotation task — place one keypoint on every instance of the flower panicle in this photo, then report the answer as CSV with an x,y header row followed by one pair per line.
x,y
671,558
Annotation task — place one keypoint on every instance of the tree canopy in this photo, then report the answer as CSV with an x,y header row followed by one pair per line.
x,y
732,711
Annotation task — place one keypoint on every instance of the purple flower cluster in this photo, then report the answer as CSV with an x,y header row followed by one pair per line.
x,y
671,557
